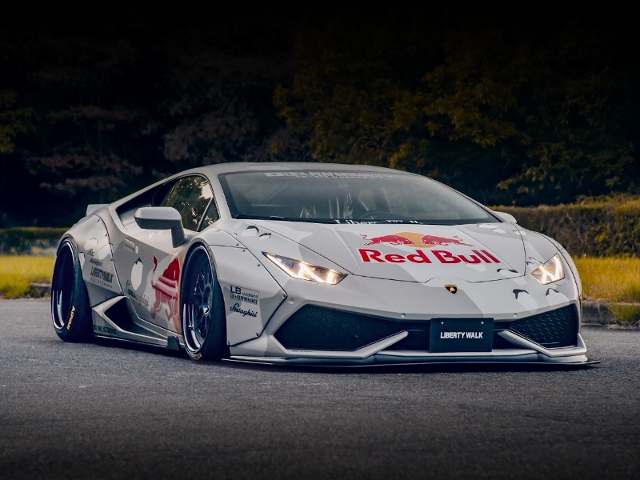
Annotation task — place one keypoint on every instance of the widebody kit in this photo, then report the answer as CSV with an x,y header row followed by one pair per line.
x,y
317,264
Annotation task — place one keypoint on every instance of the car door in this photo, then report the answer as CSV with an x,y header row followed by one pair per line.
x,y
153,283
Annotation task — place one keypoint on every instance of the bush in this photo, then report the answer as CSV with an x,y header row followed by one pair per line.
x,y
30,240
594,227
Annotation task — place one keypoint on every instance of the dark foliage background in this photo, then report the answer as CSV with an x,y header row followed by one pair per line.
x,y
100,99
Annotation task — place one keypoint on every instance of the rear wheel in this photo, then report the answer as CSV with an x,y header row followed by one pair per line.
x,y
202,309
70,308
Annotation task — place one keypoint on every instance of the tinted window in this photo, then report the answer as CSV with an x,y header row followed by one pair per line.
x,y
344,196
211,217
191,197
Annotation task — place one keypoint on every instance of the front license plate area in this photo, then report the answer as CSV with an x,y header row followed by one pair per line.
x,y
461,335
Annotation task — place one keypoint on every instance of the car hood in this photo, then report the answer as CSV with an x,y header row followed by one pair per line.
x,y
415,253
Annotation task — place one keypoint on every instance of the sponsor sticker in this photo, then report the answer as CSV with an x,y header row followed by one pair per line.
x,y
414,239
102,329
244,301
240,294
236,308
142,300
372,255
426,248
329,175
101,277
165,282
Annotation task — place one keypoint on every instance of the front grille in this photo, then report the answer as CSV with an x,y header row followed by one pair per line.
x,y
323,329
317,328
555,328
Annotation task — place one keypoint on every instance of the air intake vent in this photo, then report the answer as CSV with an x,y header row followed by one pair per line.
x,y
317,328
556,328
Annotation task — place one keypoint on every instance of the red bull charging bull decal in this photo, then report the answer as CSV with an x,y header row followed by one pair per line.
x,y
419,241
166,287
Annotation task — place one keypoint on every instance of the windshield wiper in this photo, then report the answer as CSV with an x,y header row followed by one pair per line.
x,y
240,216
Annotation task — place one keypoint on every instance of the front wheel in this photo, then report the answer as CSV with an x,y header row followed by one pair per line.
x,y
70,308
202,309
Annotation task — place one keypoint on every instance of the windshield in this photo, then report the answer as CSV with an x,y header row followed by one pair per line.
x,y
347,197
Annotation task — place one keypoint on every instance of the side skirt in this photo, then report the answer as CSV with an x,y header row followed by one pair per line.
x,y
113,319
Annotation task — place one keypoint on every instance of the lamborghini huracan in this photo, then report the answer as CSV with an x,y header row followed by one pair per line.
x,y
316,263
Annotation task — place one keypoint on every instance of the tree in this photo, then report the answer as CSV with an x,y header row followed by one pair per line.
x,y
13,122
220,79
490,106
549,107
91,125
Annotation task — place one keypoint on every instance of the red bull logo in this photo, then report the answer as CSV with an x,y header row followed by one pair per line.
x,y
443,241
166,288
391,239
419,241
414,239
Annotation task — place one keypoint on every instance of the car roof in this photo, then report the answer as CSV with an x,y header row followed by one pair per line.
x,y
212,171
233,167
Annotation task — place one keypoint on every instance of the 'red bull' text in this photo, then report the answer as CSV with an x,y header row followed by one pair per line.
x,y
370,255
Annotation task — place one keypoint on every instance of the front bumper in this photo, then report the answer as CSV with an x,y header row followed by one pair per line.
x,y
409,306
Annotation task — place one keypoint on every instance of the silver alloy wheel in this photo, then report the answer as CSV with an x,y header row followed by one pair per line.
x,y
198,301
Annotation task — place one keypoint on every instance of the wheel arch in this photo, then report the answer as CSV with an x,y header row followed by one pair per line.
x,y
91,240
70,309
215,347
197,243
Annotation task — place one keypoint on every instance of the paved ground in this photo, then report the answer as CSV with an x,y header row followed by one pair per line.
x,y
102,411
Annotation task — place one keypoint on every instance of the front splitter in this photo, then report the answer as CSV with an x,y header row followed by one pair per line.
x,y
462,364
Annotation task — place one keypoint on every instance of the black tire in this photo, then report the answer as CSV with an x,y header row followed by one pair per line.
x,y
204,326
70,309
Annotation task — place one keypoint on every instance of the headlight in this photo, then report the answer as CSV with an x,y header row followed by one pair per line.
x,y
549,271
306,271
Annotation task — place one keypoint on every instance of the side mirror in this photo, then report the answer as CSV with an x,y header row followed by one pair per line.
x,y
506,217
162,218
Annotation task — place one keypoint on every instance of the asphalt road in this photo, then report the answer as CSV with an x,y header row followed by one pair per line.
x,y
106,411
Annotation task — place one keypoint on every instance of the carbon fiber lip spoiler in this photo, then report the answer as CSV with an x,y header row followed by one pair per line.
x,y
477,365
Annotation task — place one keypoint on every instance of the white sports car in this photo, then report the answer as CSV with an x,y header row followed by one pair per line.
x,y
317,263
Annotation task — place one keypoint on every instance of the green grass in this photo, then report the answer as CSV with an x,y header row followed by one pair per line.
x,y
626,313
613,280
610,279
18,272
